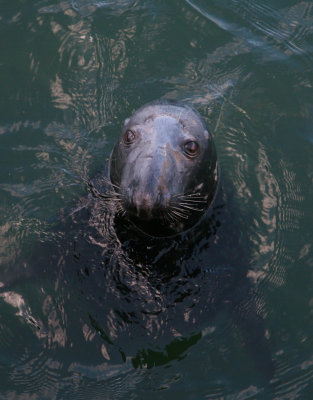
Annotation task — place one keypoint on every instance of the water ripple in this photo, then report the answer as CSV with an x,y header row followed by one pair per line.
x,y
280,38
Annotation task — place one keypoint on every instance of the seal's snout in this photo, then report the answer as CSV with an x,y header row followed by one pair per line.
x,y
147,205
147,185
143,204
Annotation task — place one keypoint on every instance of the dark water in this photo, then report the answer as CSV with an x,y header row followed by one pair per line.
x,y
70,72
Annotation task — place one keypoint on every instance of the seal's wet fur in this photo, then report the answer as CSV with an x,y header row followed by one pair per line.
x,y
164,167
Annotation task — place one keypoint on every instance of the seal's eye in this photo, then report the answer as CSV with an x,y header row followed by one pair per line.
x,y
191,148
130,137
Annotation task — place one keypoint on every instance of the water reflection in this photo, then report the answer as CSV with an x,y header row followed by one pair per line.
x,y
262,26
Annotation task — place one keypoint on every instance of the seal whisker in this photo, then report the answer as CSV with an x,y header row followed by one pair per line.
x,y
109,196
191,202
196,204
114,185
167,218
179,215
173,217
191,207
108,182
192,198
178,212
188,207
180,209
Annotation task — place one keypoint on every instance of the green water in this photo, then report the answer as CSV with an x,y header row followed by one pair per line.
x,y
70,73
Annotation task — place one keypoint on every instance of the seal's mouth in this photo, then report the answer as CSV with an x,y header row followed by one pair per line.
x,y
145,206
159,215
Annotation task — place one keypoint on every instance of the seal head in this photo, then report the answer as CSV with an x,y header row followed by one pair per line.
x,y
164,168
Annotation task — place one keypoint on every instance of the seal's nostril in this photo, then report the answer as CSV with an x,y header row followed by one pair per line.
x,y
143,204
146,205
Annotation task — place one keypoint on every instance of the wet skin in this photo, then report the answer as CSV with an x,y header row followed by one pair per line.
x,y
164,168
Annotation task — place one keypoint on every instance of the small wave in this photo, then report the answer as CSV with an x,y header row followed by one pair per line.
x,y
278,33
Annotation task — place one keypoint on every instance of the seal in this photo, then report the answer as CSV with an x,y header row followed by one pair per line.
x,y
149,298
164,168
